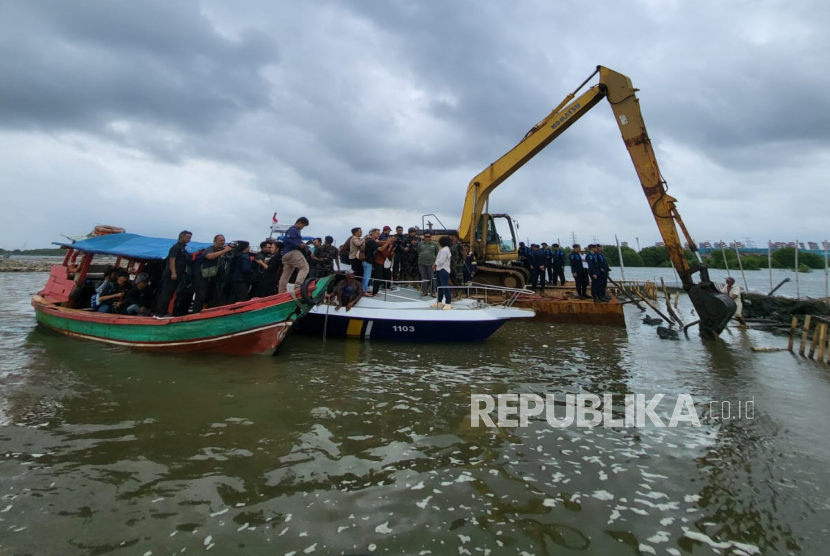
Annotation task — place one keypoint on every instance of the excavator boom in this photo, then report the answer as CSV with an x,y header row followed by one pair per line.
x,y
715,309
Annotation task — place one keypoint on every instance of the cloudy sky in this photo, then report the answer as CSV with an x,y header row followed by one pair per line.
x,y
157,115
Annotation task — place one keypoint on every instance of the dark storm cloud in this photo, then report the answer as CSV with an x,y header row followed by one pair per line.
x,y
82,65
396,105
725,84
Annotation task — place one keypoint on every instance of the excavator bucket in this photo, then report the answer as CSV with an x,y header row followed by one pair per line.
x,y
714,309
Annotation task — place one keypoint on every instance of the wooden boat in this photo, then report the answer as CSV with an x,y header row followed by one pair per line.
x,y
257,326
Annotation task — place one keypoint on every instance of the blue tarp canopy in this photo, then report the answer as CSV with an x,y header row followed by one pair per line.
x,y
132,246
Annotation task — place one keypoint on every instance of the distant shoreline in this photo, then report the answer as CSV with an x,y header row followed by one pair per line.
x,y
34,264
45,252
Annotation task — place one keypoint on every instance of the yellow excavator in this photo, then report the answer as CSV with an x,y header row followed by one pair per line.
x,y
492,237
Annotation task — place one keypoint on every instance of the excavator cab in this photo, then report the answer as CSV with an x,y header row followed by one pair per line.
x,y
495,233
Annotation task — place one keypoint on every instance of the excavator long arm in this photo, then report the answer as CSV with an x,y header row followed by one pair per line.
x,y
714,309
539,137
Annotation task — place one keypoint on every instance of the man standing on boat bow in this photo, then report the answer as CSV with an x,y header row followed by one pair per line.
x,y
292,254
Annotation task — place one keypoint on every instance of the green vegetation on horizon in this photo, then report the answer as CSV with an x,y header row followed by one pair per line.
x,y
650,256
659,257
45,252
781,258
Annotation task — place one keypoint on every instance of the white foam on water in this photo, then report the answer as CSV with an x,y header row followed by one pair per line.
x,y
602,495
383,529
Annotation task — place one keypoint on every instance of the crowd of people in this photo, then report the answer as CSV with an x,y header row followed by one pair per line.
x,y
381,257
587,268
226,273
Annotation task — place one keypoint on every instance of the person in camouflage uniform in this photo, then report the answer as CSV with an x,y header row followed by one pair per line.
x,y
409,257
457,260
325,256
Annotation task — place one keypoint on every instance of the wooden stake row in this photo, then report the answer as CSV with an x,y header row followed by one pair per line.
x,y
819,340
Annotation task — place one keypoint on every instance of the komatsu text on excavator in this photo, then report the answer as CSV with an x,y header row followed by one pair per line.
x,y
483,231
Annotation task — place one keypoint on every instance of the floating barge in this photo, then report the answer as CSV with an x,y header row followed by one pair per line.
x,y
559,304
564,310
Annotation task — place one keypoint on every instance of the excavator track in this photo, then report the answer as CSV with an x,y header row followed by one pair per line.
x,y
500,275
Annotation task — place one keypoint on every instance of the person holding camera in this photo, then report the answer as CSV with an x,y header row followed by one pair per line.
x,y
292,254
207,268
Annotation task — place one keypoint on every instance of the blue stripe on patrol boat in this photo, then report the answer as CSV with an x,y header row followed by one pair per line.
x,y
399,330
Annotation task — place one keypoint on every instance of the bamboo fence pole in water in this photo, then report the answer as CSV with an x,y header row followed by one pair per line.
x,y
741,266
793,326
723,251
797,289
826,272
822,336
814,343
619,251
769,262
804,335
668,303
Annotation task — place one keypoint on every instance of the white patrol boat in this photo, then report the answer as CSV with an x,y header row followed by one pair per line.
x,y
403,314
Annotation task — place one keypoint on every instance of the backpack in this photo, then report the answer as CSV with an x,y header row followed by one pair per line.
x,y
343,252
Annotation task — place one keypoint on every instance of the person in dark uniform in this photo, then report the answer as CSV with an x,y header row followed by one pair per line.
x,y
604,269
205,270
267,265
241,271
138,300
469,265
371,251
174,279
399,252
548,267
524,255
456,260
595,272
538,260
325,257
579,269
557,262
316,243
409,266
